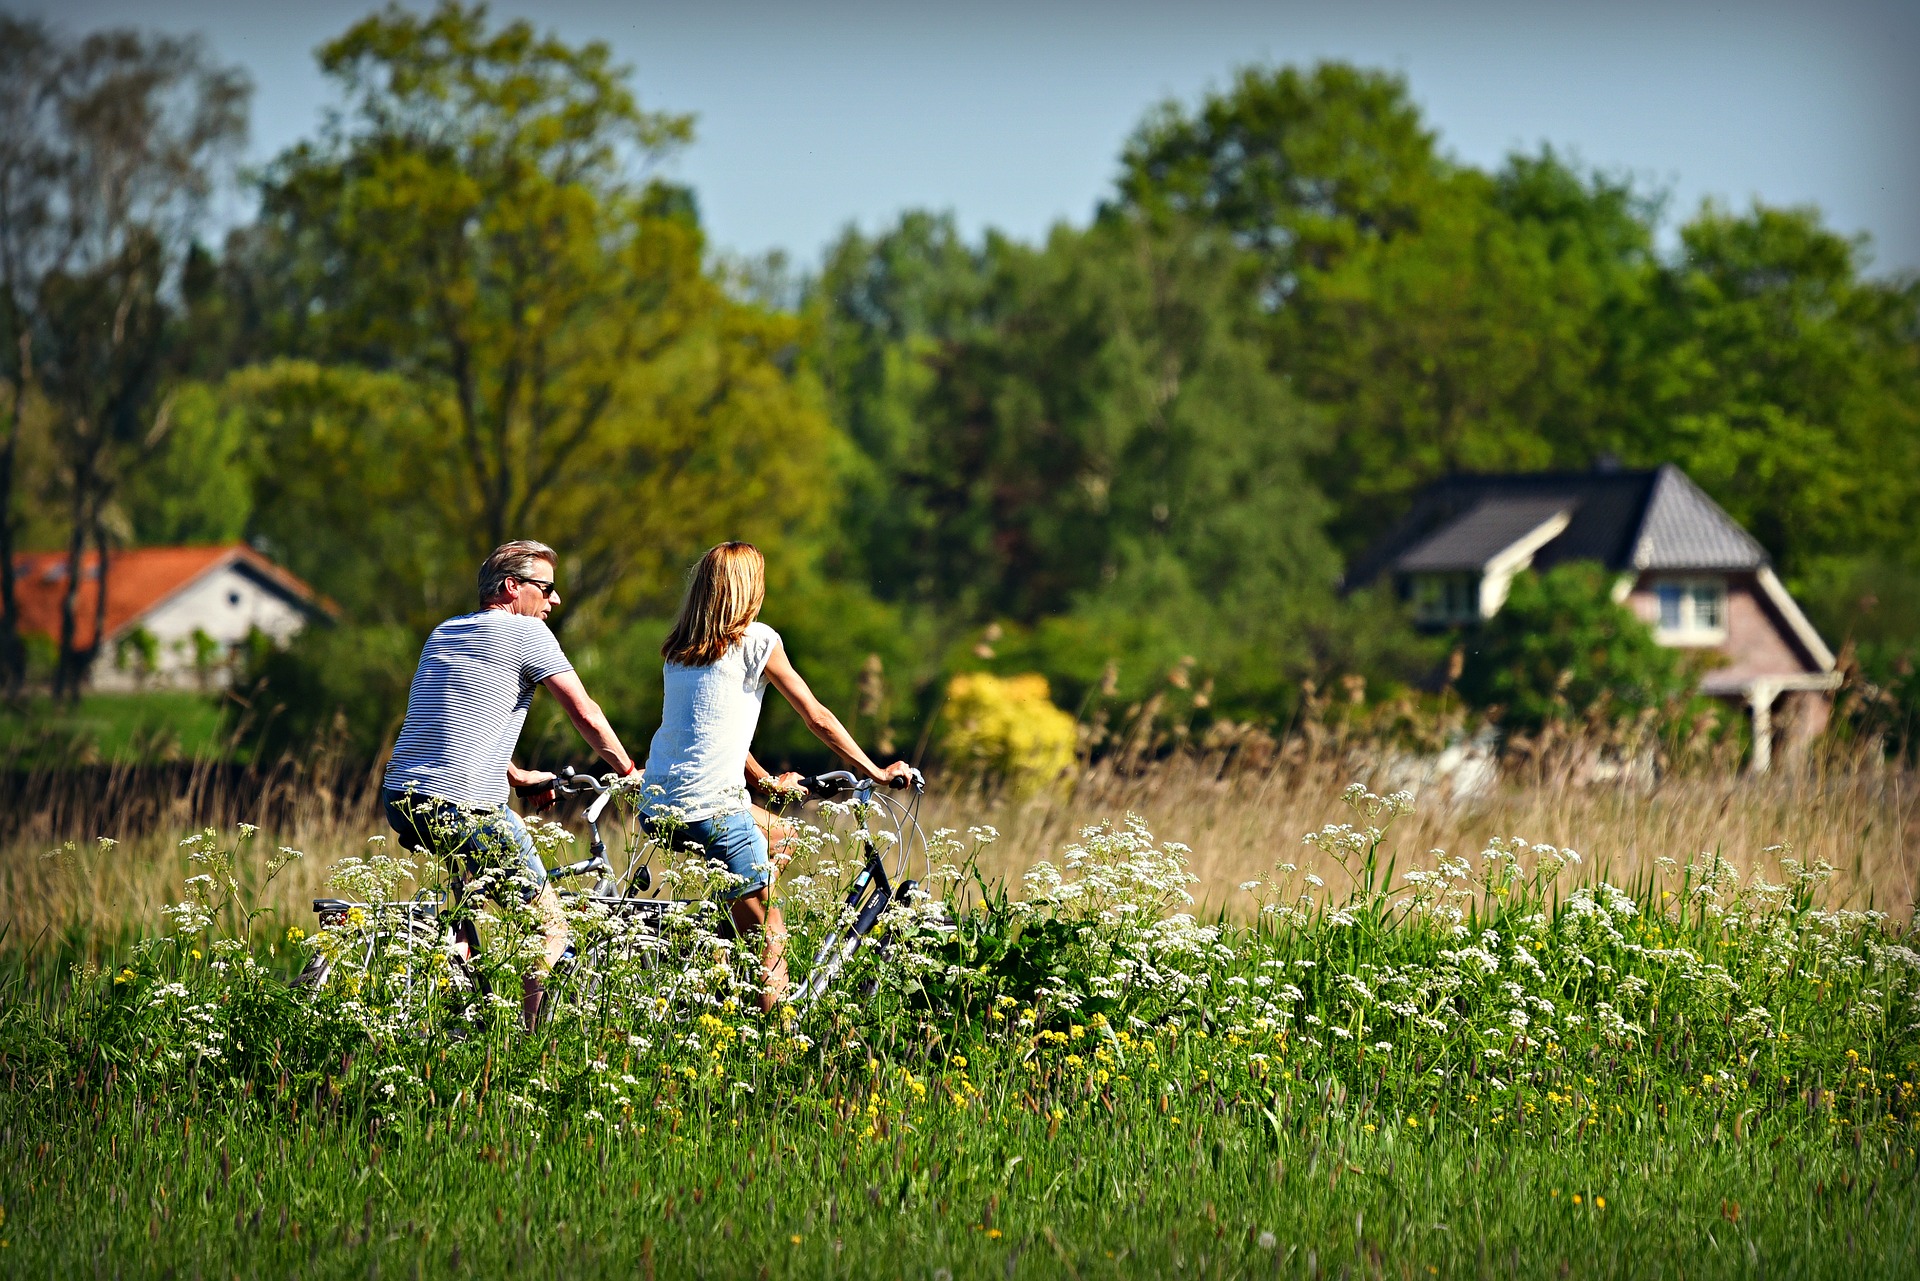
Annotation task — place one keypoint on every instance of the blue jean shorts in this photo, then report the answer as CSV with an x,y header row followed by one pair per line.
x,y
469,838
732,841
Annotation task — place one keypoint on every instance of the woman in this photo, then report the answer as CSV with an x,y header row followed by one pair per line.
x,y
719,661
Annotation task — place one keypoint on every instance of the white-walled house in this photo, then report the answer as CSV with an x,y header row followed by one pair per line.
x,y
195,603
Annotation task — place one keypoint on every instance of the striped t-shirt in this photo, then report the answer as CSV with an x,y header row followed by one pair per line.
x,y
468,702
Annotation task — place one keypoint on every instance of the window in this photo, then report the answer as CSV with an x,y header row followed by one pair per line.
x,y
1692,610
233,598
1445,598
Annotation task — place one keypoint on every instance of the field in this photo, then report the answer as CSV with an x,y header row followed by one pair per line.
x,y
1503,1061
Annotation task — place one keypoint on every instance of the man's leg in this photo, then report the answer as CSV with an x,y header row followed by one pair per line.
x,y
520,855
425,826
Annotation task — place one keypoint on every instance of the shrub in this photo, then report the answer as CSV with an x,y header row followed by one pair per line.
x,y
1562,647
1007,728
342,686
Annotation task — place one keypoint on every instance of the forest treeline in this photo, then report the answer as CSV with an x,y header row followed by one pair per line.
x,y
1134,456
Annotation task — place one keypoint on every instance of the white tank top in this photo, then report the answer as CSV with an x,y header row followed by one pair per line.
x,y
698,759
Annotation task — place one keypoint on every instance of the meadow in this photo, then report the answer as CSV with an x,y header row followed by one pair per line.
x,y
1682,1049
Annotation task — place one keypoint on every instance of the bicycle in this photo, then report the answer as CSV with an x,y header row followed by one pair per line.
x,y
423,924
428,927
879,884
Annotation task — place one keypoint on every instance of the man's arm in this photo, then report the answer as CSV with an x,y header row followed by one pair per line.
x,y
589,720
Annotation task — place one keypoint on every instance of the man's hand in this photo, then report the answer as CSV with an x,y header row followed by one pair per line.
x,y
535,786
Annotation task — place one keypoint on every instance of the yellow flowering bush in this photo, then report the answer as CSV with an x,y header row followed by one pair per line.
x,y
1008,727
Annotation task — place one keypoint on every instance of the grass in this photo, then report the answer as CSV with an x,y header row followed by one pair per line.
x,y
1862,819
1411,1071
134,728
790,1192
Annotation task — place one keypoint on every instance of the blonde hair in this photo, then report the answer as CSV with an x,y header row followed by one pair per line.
x,y
724,592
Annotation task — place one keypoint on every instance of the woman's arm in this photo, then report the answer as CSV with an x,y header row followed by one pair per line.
x,y
823,723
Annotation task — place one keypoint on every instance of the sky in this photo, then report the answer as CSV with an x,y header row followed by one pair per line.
x,y
814,116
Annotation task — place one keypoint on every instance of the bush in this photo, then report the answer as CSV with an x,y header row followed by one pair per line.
x,y
1563,648
345,687
1007,728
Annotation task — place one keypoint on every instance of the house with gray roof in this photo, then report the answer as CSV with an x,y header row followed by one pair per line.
x,y
1685,566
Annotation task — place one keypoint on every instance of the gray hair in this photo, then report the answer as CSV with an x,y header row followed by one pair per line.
x,y
511,560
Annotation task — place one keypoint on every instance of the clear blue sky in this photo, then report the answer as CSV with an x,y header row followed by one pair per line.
x,y
811,116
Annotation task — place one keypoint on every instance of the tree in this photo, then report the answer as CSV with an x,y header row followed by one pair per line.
x,y
1442,318
1090,426
114,143
1304,167
476,224
885,307
1787,385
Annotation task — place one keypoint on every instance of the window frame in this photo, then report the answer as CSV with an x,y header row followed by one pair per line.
x,y
1691,596
1445,599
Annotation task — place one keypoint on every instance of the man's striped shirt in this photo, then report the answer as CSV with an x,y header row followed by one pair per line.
x,y
468,702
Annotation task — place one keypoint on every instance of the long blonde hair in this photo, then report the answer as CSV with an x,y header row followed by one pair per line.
x,y
724,592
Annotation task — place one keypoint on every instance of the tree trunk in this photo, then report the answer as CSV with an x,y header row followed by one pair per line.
x,y
69,670
99,588
13,657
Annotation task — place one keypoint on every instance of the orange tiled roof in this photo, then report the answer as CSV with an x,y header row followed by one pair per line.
x,y
138,579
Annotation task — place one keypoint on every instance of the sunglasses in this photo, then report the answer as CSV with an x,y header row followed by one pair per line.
x,y
546,586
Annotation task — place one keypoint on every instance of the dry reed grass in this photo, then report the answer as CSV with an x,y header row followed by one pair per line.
x,y
1239,820
1866,822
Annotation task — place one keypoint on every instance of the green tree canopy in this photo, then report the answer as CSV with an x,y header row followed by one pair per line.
x,y
1088,425
1448,319
1786,384
476,226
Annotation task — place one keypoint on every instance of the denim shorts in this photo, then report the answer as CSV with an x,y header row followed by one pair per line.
x,y
732,841
469,838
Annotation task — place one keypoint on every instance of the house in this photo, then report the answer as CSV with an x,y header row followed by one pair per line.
x,y
1685,566
174,614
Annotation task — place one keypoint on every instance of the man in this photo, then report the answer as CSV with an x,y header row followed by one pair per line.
x,y
447,787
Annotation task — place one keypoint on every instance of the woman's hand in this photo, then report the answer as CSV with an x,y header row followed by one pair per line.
x,y
783,789
897,770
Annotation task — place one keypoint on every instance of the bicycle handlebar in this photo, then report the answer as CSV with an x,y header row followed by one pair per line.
x,y
837,781
567,782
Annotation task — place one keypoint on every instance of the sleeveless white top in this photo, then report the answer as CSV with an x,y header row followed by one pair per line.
x,y
698,759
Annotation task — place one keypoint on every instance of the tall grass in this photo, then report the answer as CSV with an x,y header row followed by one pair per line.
x,y
1849,810
1864,820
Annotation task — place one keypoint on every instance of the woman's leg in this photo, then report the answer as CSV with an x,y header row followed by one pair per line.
x,y
780,837
740,842
756,911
